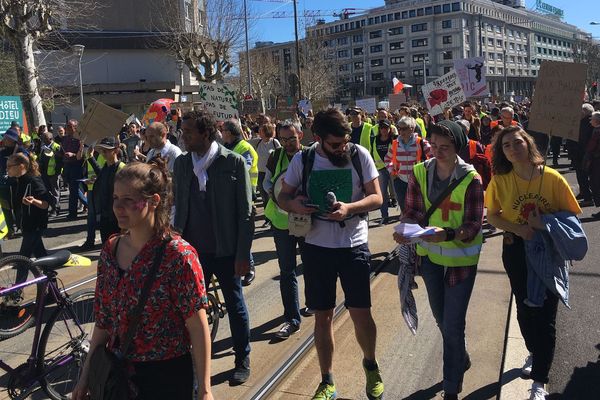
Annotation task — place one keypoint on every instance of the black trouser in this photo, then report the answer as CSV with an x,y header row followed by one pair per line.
x,y
538,324
167,379
555,144
33,244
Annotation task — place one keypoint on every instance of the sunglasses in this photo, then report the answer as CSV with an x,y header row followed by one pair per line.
x,y
338,145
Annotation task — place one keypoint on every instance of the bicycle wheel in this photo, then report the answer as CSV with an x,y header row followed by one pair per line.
x,y
64,345
17,308
212,313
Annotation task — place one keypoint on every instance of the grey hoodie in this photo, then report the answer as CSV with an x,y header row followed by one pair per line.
x,y
462,168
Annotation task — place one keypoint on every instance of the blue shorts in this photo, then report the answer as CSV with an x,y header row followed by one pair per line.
x,y
323,265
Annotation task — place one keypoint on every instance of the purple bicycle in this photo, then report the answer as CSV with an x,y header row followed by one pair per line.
x,y
63,324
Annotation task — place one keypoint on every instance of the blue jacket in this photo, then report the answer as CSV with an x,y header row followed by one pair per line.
x,y
549,255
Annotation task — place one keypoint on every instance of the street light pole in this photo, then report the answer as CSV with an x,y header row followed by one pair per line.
x,y
78,50
424,71
247,50
180,64
297,51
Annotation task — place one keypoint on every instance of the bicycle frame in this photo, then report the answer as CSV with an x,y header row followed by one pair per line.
x,y
49,286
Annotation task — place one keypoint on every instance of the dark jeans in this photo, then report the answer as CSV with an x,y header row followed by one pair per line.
x,y
32,244
71,173
231,286
285,245
555,144
263,194
91,220
384,181
538,324
449,307
51,183
401,188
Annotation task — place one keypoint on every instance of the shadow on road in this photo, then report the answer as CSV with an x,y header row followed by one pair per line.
x,y
584,381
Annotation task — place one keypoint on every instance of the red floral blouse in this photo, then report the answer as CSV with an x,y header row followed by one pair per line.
x,y
177,293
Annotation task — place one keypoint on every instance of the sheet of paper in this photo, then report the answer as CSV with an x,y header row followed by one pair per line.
x,y
413,231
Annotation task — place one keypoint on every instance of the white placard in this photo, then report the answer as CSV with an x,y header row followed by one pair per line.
x,y
305,106
445,91
369,105
220,100
471,72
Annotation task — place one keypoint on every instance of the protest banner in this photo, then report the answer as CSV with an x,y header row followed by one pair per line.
x,y
471,72
305,106
396,100
556,104
251,107
11,109
446,91
369,105
220,100
100,120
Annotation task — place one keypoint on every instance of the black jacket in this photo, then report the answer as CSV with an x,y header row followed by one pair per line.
x,y
29,218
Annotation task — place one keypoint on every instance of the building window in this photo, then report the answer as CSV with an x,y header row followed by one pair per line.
x,y
498,42
447,69
404,14
455,6
419,42
491,56
397,60
419,57
412,13
342,53
447,24
419,72
359,78
378,48
396,45
377,76
446,8
378,62
344,67
419,27
447,39
357,38
357,51
399,30
491,42
378,91
428,10
420,12
492,70
447,55
511,46
398,74
437,9
358,65
342,41
375,34
500,57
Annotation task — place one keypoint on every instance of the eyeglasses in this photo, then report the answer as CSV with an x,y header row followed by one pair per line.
x,y
292,139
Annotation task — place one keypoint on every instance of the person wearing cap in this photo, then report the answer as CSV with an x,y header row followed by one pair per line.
x,y
450,253
361,131
102,198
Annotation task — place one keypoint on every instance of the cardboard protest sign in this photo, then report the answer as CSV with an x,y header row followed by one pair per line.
x,y
99,121
445,91
11,109
369,105
556,105
220,100
251,107
396,100
471,72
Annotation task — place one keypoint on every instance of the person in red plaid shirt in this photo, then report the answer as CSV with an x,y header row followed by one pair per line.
x,y
449,256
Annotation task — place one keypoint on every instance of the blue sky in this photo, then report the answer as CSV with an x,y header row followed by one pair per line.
x,y
577,12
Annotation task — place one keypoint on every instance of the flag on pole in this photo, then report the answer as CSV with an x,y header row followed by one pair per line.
x,y
398,86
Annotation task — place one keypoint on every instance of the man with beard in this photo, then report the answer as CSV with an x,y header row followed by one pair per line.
x,y
339,187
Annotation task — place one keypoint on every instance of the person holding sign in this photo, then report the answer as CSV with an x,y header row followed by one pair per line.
x,y
446,194
521,189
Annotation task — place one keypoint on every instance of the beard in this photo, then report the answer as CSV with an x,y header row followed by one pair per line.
x,y
339,160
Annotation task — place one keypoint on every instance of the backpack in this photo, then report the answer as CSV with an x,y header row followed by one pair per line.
x,y
481,163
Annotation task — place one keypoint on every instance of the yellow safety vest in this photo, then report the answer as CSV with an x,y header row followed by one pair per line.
x,y
365,135
242,148
90,170
3,226
449,214
54,147
421,123
277,216
379,164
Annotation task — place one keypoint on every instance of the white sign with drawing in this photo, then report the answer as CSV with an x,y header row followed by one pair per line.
x,y
445,91
369,105
471,72
220,100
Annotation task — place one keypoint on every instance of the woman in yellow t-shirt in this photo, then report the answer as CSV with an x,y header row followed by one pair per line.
x,y
521,189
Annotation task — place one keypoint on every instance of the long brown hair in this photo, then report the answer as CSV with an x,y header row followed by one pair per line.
x,y
500,164
32,166
149,179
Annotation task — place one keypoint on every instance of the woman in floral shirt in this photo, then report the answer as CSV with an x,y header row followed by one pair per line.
x,y
174,316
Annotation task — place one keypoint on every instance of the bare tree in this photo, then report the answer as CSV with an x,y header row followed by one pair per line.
x,y
24,23
588,52
264,76
206,41
8,75
317,70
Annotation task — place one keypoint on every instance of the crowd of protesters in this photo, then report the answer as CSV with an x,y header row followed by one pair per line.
x,y
194,187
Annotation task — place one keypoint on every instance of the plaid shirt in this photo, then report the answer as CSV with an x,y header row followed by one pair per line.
x,y
472,219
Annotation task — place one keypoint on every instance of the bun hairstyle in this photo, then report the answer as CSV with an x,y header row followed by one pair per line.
x,y
31,165
149,179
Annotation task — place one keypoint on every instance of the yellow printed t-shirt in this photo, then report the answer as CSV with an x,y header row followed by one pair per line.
x,y
517,201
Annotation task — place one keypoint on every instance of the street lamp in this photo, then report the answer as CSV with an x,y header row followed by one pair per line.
x,y
594,23
180,64
425,61
78,50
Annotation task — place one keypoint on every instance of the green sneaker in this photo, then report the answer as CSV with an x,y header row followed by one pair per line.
x,y
325,391
374,387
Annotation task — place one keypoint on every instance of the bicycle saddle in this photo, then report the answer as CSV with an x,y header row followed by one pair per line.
x,y
53,261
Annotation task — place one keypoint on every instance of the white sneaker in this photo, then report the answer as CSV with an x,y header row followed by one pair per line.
x,y
537,392
526,370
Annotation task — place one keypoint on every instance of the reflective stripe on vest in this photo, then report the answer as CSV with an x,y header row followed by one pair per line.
x,y
242,148
277,216
379,164
3,226
449,214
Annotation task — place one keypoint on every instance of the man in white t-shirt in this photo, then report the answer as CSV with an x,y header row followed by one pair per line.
x,y
156,136
336,244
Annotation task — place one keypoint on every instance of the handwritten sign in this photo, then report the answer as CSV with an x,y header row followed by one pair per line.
x,y
396,100
99,121
251,106
11,109
369,105
556,105
446,91
471,72
220,100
